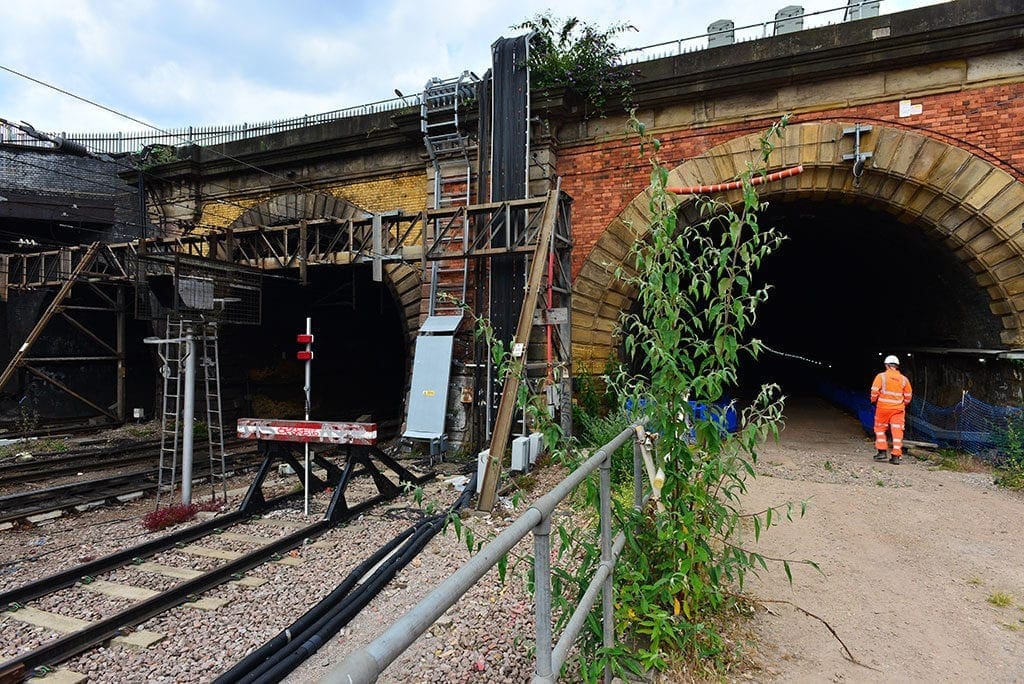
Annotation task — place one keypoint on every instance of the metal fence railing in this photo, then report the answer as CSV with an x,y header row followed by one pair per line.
x,y
367,663
117,143
741,34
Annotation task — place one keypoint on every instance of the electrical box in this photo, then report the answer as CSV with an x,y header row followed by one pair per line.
x,y
536,446
481,468
521,454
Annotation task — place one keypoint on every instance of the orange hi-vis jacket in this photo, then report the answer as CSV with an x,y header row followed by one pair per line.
x,y
891,389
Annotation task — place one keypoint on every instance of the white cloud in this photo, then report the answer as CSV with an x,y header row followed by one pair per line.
x,y
200,62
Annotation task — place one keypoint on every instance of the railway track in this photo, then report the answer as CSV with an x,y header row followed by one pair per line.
x,y
21,505
16,603
59,464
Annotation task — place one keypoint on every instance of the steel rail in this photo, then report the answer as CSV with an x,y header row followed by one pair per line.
x,y
65,647
82,460
22,504
65,578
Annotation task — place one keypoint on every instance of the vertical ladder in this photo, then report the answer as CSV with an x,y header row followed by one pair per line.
x,y
448,149
214,416
170,422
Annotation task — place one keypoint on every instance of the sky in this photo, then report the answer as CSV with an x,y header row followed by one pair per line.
x,y
174,63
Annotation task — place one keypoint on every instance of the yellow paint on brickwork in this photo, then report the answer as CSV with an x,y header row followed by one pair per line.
x,y
222,214
408,193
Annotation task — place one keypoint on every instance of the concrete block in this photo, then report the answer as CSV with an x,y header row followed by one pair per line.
x,y
206,603
42,517
52,621
139,640
168,570
125,498
207,552
247,538
278,522
249,581
125,591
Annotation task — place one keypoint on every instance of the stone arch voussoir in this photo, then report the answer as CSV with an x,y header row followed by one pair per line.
x,y
973,206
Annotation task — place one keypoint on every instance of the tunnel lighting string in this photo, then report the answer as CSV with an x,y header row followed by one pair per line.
x,y
787,355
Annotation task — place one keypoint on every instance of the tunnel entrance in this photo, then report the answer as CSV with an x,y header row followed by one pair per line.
x,y
361,356
851,284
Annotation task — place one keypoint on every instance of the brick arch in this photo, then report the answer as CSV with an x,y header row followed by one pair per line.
x,y
289,208
975,208
401,279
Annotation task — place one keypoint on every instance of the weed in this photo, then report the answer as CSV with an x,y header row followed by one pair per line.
x,y
571,54
52,444
975,581
957,462
1000,599
829,467
141,431
879,482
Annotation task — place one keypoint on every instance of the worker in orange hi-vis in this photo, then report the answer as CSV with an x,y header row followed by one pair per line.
x,y
890,393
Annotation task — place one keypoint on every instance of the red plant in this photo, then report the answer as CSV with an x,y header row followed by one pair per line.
x,y
172,515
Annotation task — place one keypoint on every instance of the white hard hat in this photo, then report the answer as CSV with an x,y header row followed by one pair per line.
x,y
892,359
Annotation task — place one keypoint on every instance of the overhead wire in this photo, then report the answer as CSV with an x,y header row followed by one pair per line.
x,y
111,110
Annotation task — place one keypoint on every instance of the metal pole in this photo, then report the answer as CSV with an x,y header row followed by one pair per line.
x,y
542,589
638,477
188,419
608,614
309,364
122,409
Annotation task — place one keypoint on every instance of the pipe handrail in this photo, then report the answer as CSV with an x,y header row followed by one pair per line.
x,y
366,664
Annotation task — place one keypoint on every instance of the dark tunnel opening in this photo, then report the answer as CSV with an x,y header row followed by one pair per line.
x,y
852,284
360,352
849,285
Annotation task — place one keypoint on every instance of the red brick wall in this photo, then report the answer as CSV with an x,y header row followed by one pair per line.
x,y
604,177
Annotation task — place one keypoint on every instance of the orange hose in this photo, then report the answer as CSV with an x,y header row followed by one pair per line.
x,y
735,185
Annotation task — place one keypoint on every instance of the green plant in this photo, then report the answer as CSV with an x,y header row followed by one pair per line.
x,y
1009,440
583,59
697,300
1000,599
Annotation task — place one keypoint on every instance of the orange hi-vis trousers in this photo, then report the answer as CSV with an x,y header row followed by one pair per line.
x,y
892,418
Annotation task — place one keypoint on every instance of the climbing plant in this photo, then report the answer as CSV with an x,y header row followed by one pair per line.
x,y
582,58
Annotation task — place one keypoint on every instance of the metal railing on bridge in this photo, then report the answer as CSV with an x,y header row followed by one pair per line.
x,y
125,142
367,663
723,33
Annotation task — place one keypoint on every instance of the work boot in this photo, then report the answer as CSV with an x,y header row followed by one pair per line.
x,y
881,455
895,460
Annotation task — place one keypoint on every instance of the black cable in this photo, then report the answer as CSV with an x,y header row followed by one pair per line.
x,y
275,659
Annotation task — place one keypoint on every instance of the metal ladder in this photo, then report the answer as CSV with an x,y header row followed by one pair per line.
x,y
170,423
448,149
214,414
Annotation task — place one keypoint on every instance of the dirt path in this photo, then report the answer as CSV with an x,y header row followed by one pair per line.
x,y
910,557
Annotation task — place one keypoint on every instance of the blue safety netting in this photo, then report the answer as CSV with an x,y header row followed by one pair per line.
x,y
969,425
724,413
